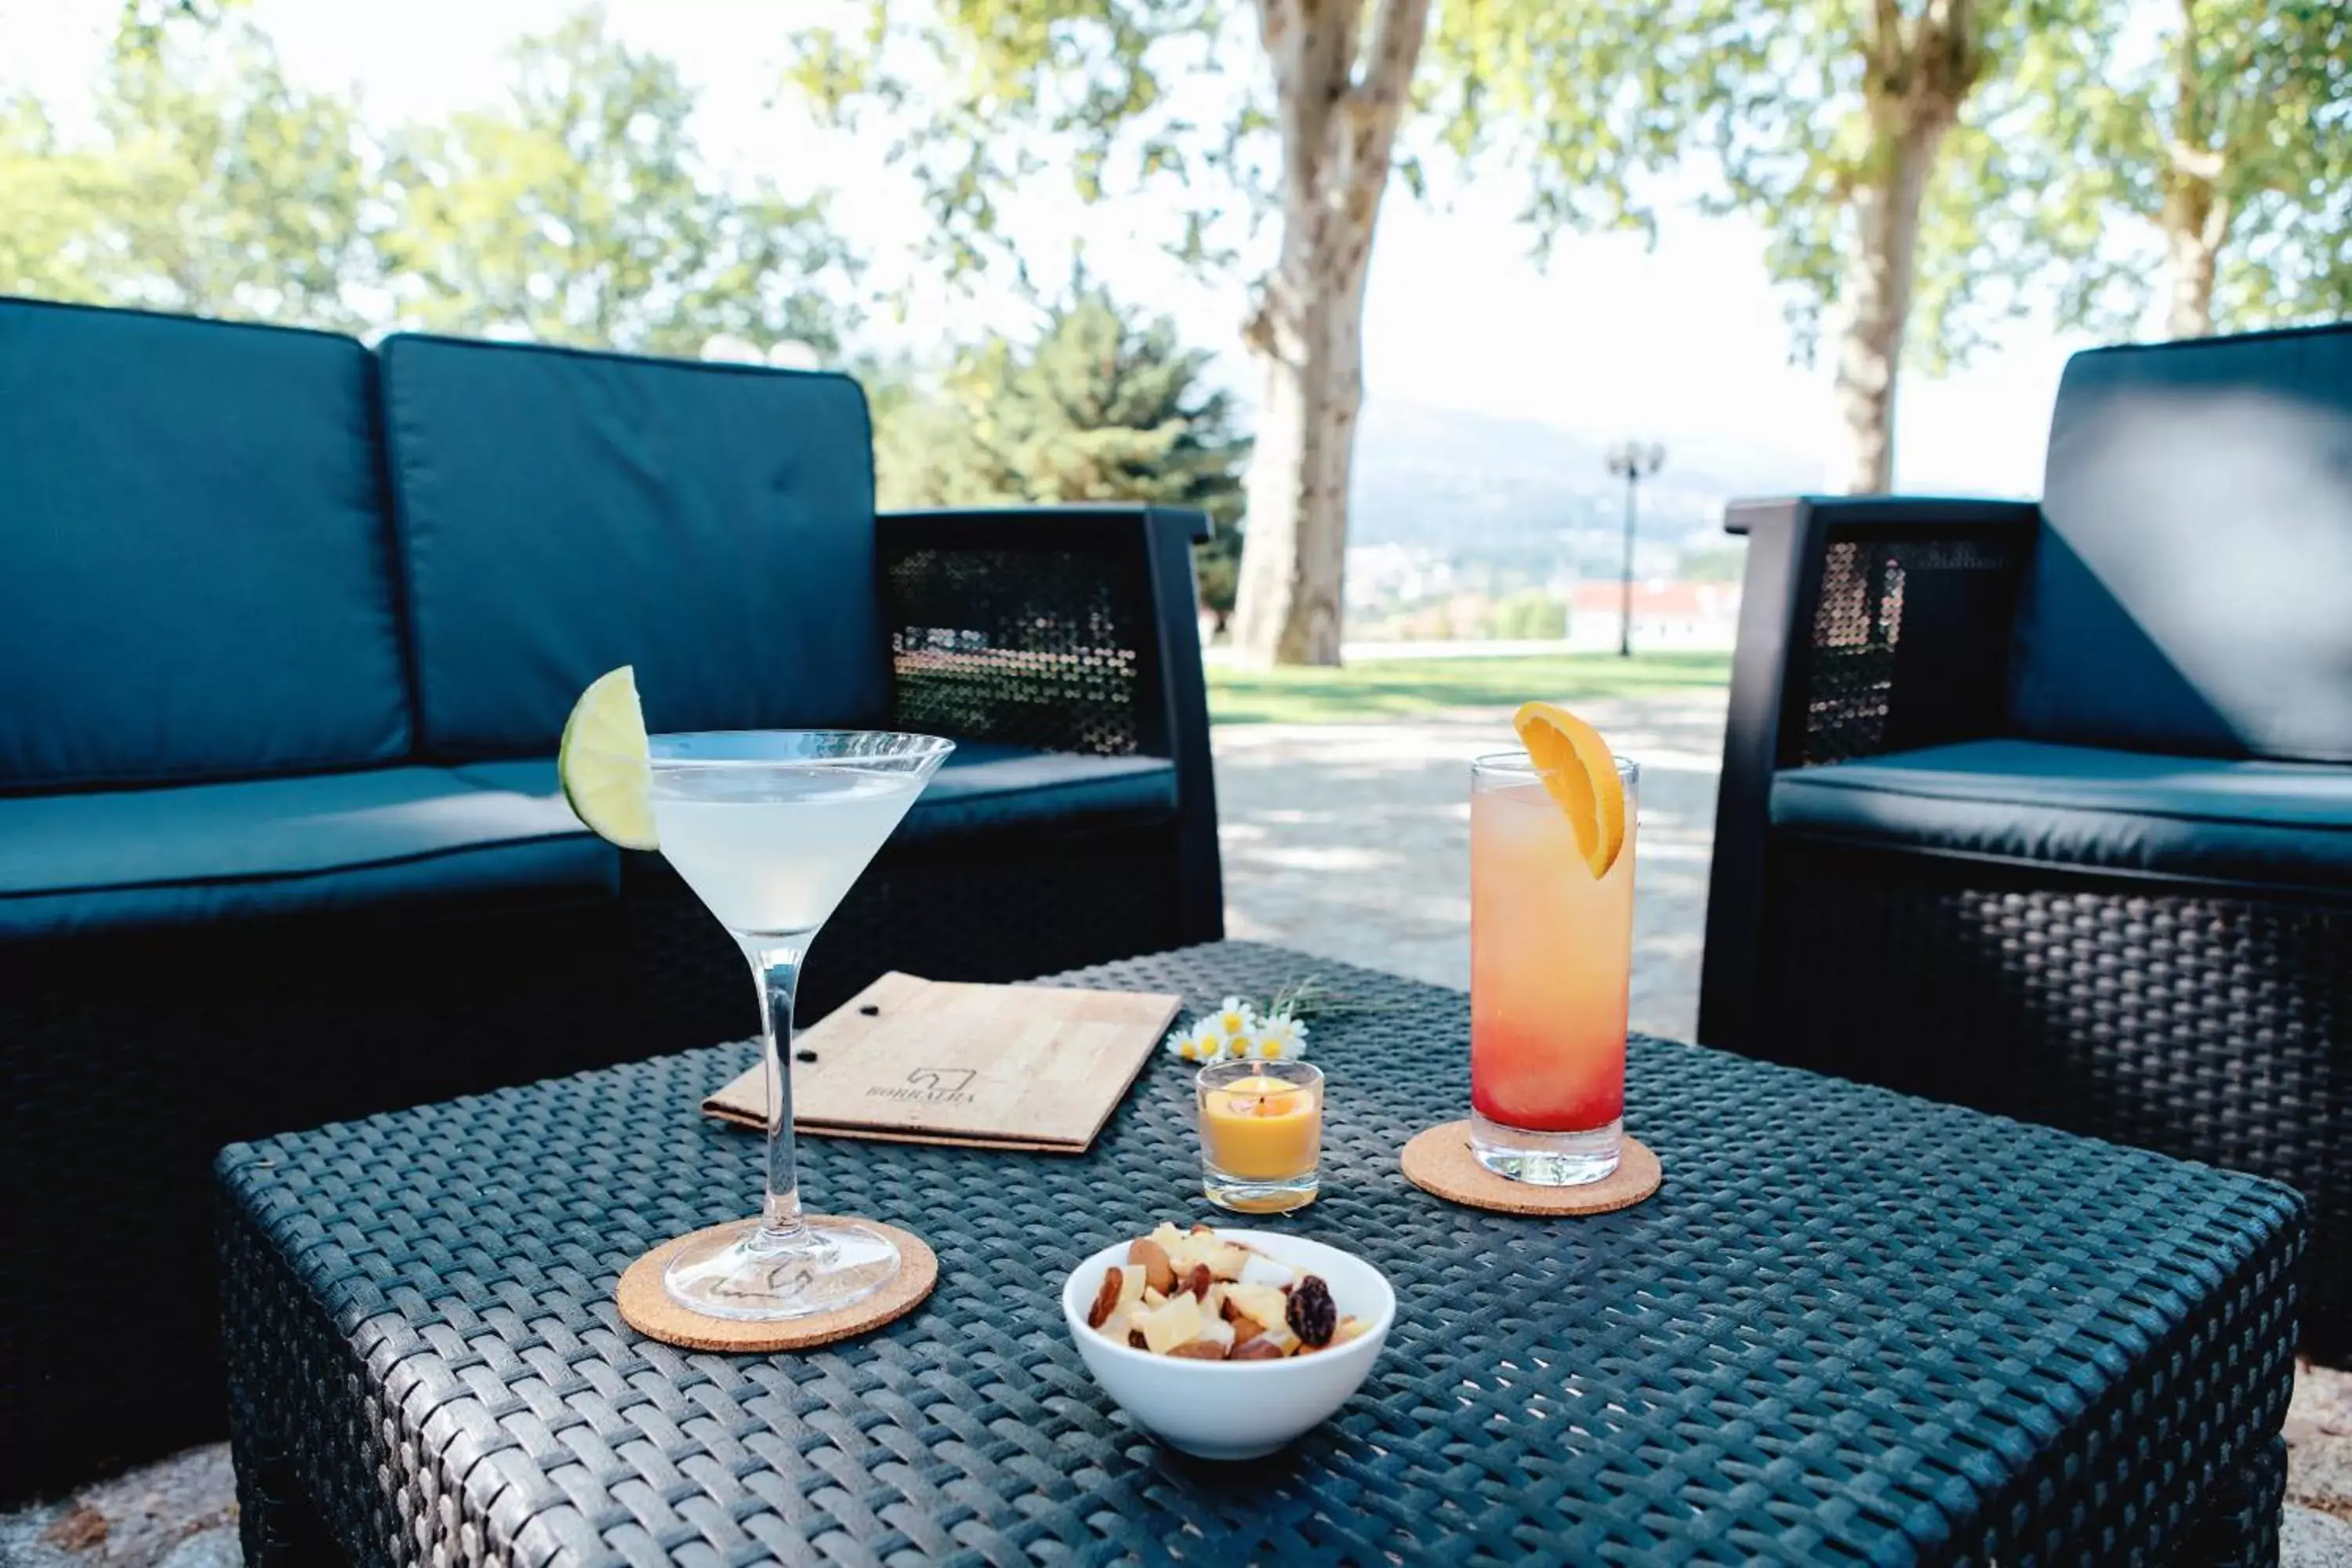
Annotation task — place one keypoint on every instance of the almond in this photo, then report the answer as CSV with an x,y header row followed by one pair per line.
x,y
1279,1336
1245,1328
1158,1271
1199,1281
1200,1349
1106,1299
1256,1350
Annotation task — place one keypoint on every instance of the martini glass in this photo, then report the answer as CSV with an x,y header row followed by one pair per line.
x,y
770,827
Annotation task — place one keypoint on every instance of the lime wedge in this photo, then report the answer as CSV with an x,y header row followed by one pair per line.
x,y
603,762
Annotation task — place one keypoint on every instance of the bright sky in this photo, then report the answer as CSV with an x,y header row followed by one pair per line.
x,y
1684,342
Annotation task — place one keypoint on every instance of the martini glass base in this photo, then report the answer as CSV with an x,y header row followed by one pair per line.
x,y
749,1276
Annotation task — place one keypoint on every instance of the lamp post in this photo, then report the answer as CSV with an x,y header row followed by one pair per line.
x,y
1633,462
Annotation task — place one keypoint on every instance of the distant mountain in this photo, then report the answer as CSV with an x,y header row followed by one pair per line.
x,y
1451,480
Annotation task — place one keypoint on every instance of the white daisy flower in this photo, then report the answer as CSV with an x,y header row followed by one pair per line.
x,y
1233,1020
1281,1038
1204,1042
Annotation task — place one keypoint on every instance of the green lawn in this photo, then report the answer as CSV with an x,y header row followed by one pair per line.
x,y
1395,689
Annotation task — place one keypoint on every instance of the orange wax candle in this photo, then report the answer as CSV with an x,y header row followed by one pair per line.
x,y
1262,1129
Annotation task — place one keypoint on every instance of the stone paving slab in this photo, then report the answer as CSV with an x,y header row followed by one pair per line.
x,y
1350,842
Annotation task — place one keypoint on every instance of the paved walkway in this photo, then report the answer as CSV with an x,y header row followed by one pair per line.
x,y
1351,843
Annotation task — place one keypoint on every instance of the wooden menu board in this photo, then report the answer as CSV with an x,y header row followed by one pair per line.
x,y
1033,1067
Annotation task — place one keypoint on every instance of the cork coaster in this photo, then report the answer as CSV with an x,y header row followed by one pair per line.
x,y
647,1307
1439,1161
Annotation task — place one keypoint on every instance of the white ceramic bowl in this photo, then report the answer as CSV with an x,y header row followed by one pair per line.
x,y
1238,1410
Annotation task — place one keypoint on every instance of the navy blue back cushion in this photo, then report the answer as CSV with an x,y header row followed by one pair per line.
x,y
195,576
2192,591
562,512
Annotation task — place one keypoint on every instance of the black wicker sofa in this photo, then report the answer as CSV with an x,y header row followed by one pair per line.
x,y
289,628
2046,808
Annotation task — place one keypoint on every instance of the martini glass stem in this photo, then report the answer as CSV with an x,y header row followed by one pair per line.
x,y
778,971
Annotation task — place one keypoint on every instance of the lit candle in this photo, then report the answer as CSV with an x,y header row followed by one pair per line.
x,y
1261,1134
1262,1127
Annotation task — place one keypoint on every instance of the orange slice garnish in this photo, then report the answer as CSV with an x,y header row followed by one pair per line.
x,y
1578,768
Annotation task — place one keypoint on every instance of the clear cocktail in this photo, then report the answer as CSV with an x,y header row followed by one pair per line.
x,y
773,850
1552,948
770,829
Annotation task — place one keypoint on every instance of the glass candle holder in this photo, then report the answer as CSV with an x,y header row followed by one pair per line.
x,y
1261,1134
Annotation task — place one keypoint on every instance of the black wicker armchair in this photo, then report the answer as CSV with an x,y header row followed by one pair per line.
x,y
2047,808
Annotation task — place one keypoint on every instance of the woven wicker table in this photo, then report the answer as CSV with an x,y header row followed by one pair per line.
x,y
1852,1326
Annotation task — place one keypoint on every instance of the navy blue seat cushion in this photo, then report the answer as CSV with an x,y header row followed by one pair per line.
x,y
2266,823
2189,589
196,576
113,860
979,789
562,512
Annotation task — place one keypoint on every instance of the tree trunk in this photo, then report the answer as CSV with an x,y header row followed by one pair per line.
x,y
1309,345
1881,263
1917,68
2192,255
1307,332
2196,222
2196,216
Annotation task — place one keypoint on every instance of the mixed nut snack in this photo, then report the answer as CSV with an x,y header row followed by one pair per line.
x,y
1196,1295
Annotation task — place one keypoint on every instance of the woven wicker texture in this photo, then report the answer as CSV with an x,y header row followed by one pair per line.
x,y
128,1064
2212,1028
1850,685
1852,1325
1029,648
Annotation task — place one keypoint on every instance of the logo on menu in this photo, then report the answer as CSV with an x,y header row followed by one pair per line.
x,y
930,1086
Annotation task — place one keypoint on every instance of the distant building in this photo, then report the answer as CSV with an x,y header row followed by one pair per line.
x,y
1667,615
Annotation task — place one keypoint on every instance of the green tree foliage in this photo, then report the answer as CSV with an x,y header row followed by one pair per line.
x,y
2206,163
1098,406
1528,615
580,211
212,185
1835,124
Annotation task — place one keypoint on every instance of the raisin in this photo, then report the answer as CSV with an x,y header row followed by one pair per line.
x,y
1313,1316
